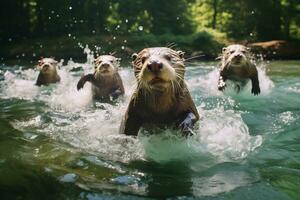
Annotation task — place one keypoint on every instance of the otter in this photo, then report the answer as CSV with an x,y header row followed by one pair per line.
x,y
161,96
106,82
48,73
236,65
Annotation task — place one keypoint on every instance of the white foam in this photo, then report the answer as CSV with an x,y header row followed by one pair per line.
x,y
286,117
221,135
67,97
209,84
14,86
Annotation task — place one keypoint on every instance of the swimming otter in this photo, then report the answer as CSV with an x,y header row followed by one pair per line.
x,y
161,96
106,81
48,73
236,65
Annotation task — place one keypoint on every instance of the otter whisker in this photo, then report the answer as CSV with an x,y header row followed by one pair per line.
x,y
171,45
173,87
179,76
193,57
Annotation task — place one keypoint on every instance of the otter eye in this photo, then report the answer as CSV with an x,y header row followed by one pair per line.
x,y
168,57
232,51
143,59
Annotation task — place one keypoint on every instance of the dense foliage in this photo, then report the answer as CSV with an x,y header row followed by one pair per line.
x,y
243,19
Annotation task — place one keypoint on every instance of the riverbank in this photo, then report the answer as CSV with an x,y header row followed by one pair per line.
x,y
204,44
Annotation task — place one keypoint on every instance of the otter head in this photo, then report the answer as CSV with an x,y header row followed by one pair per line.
x,y
235,55
159,68
106,65
47,65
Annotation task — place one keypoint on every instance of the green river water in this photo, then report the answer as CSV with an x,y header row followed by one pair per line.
x,y
56,143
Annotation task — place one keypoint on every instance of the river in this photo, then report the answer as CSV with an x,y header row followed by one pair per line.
x,y
57,143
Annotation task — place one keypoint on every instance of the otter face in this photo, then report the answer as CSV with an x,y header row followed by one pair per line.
x,y
106,65
159,68
47,65
235,54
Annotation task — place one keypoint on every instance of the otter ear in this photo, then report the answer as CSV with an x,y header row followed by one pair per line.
x,y
118,62
224,49
134,56
181,54
40,62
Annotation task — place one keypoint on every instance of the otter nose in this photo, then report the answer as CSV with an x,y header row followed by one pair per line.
x,y
45,66
105,65
238,56
155,66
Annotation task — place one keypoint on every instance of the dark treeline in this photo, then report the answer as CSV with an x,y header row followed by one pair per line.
x,y
243,19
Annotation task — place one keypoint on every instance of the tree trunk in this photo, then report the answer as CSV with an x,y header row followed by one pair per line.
x,y
215,13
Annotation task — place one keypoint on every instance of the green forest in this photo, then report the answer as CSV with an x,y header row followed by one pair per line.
x,y
59,25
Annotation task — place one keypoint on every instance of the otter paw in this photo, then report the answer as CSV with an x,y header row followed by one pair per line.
x,y
116,94
221,85
255,91
80,85
221,88
186,127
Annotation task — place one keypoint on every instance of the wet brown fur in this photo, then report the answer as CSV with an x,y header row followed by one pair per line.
x,y
104,88
49,77
148,106
245,71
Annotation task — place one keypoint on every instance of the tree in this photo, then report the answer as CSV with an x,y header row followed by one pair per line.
x,y
168,18
14,19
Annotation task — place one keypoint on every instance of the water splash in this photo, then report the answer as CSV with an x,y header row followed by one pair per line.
x,y
73,118
221,136
209,84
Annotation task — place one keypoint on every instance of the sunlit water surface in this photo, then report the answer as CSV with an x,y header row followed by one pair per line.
x,y
57,142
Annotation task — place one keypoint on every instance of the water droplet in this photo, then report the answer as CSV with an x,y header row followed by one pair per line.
x,y
93,31
122,47
68,178
126,20
69,35
114,38
125,41
252,12
141,28
251,34
70,8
